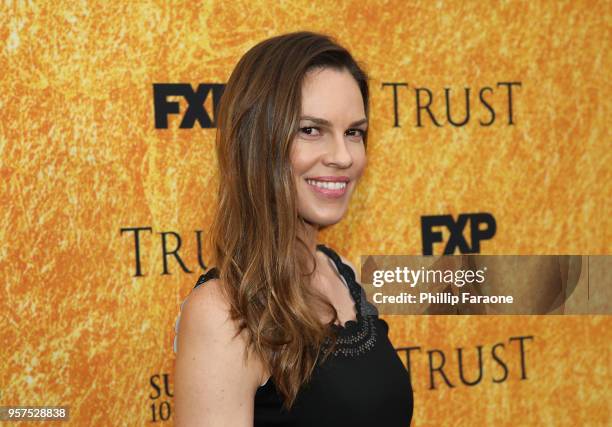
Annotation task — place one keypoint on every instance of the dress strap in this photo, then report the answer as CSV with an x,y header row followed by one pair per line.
x,y
348,274
342,267
362,305
213,273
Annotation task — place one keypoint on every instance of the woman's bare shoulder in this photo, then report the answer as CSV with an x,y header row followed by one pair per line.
x,y
214,380
205,316
208,302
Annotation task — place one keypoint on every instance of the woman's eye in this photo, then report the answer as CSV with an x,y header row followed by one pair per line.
x,y
356,132
310,131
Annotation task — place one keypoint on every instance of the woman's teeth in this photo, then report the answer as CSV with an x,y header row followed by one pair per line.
x,y
328,185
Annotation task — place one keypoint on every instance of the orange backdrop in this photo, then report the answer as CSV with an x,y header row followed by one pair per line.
x,y
81,159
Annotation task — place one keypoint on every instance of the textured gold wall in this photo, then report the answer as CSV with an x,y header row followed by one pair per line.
x,y
80,159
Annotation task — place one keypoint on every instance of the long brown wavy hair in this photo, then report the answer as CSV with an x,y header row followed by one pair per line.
x,y
254,237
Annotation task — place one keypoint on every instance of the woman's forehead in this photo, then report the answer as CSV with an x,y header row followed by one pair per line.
x,y
333,95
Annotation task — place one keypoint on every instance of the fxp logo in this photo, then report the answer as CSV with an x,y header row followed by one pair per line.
x,y
482,227
195,103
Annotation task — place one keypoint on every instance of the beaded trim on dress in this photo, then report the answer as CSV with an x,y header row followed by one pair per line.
x,y
355,337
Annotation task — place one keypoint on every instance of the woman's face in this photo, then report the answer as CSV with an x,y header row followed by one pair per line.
x,y
328,154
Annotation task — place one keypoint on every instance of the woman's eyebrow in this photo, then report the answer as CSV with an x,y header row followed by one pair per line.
x,y
324,122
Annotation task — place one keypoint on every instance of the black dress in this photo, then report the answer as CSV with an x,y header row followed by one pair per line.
x,y
363,383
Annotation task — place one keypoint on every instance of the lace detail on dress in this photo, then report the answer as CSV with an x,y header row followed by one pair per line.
x,y
359,342
356,337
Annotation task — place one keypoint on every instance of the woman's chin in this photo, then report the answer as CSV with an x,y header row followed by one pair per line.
x,y
324,220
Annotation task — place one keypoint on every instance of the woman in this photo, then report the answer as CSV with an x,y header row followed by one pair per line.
x,y
279,332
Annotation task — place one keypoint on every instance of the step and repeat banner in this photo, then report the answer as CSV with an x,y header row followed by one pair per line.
x,y
489,135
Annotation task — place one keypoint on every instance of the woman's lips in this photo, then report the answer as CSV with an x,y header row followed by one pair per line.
x,y
338,188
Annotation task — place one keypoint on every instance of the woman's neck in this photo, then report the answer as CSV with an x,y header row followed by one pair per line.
x,y
308,233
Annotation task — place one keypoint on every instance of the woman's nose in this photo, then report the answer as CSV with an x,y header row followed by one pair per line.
x,y
338,153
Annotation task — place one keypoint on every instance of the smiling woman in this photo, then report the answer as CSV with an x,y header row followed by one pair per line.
x,y
279,332
331,143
